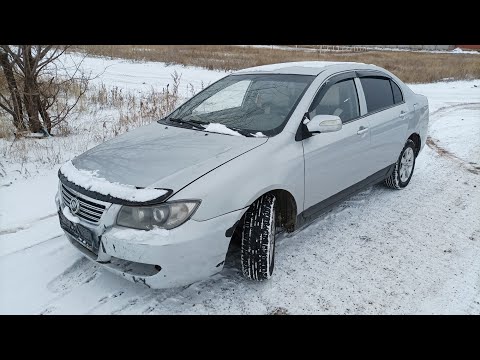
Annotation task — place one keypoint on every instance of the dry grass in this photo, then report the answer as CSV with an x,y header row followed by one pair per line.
x,y
7,129
132,110
411,67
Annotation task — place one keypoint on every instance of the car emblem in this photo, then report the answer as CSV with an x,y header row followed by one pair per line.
x,y
74,206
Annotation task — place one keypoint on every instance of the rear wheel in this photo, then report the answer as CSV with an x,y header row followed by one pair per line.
x,y
258,239
404,167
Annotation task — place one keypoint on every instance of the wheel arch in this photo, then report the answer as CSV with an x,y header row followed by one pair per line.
x,y
415,137
286,216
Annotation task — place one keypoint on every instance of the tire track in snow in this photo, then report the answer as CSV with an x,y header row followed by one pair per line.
x,y
47,310
32,246
465,105
25,227
149,301
104,300
82,271
433,143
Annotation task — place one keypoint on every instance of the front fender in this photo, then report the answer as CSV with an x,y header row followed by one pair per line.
x,y
278,164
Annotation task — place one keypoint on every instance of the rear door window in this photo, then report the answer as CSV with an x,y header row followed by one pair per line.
x,y
378,93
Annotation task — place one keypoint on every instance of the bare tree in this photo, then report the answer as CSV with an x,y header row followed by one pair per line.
x,y
13,107
41,92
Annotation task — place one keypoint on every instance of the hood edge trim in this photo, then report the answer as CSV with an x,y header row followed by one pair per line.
x,y
111,199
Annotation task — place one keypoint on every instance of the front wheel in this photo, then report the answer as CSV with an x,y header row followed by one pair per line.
x,y
258,239
404,167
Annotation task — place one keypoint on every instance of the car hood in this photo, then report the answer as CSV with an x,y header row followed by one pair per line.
x,y
163,156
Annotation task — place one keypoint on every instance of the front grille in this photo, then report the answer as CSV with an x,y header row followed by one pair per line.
x,y
88,211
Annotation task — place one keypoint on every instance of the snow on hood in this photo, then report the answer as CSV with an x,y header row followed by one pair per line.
x,y
163,157
221,129
90,181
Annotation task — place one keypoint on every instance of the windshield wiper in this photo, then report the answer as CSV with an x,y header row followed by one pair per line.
x,y
198,125
193,123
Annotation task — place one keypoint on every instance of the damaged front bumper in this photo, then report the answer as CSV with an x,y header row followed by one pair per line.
x,y
160,258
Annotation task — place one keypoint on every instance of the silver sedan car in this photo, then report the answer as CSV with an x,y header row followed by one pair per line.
x,y
262,151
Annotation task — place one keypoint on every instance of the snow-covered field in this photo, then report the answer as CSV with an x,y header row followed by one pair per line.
x,y
129,75
380,252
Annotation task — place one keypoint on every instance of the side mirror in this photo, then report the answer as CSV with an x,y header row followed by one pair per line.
x,y
324,124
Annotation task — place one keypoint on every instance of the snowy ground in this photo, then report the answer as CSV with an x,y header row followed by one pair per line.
x,y
380,252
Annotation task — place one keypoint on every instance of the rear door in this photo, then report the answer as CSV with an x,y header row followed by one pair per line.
x,y
334,161
388,117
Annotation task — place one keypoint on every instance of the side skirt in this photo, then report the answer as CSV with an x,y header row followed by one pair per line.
x,y
313,212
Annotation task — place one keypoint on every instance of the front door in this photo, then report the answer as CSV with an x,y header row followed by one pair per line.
x,y
335,161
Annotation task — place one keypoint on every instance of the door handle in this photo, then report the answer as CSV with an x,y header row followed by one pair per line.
x,y
362,130
403,113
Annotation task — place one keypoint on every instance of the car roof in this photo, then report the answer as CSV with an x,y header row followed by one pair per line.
x,y
306,67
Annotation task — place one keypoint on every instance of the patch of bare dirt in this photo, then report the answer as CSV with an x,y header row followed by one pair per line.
x,y
471,167
279,311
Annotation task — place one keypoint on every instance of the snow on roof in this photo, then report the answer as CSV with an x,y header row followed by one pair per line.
x,y
300,67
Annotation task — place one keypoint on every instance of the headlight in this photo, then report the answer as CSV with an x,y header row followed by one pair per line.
x,y
166,216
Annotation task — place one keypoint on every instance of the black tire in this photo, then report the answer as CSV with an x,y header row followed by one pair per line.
x,y
394,181
258,239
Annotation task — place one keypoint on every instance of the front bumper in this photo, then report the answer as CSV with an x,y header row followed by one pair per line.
x,y
163,259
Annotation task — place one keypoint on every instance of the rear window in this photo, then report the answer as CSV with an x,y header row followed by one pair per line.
x,y
378,93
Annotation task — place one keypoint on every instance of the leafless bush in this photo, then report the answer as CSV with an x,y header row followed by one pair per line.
x,y
134,110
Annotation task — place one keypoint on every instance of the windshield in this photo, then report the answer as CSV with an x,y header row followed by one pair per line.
x,y
252,104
